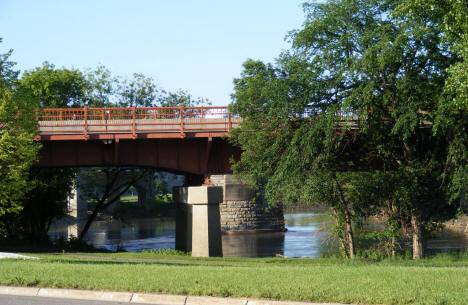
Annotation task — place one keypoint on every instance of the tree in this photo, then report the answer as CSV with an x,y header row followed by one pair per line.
x,y
50,187
180,98
18,151
140,91
45,201
56,88
101,87
296,154
452,118
356,94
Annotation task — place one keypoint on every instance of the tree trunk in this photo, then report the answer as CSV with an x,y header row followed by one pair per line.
x,y
393,245
348,228
349,233
341,238
418,238
90,220
102,204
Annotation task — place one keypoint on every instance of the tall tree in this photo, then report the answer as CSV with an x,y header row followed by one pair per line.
x,y
451,17
139,91
357,93
101,87
18,151
56,88
181,98
53,88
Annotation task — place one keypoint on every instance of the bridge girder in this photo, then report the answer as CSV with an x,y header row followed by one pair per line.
x,y
199,156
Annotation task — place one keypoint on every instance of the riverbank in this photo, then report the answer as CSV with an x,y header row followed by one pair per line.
x,y
438,280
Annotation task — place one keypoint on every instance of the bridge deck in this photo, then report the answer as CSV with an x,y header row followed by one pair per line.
x,y
127,123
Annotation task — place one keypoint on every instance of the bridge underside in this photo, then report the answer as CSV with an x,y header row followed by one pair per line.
x,y
189,155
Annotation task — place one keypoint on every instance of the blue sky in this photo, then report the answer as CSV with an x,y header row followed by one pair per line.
x,y
194,45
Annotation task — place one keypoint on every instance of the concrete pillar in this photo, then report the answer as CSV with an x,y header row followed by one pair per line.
x,y
198,226
77,211
77,204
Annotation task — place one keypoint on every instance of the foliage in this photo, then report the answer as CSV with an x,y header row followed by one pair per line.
x,y
101,87
17,148
62,88
48,199
140,91
351,103
452,117
181,98
56,88
45,201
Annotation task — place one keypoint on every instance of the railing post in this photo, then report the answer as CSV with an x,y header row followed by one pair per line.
x,y
133,122
85,122
229,121
181,120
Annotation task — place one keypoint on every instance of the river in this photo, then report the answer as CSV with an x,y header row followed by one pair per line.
x,y
307,236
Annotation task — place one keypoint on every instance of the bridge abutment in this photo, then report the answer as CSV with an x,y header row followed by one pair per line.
x,y
198,227
243,211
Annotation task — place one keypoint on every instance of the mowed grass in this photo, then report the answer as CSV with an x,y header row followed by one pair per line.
x,y
440,280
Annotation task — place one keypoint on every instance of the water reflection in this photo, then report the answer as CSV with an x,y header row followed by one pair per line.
x,y
254,245
448,240
307,236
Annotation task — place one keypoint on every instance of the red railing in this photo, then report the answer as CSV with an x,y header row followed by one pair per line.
x,y
135,120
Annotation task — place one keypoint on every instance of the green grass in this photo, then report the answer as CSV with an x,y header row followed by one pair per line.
x,y
129,199
439,280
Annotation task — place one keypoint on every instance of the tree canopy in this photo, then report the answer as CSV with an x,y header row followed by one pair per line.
x,y
61,88
347,114
17,148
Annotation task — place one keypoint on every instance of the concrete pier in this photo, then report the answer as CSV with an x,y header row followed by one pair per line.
x,y
77,211
198,227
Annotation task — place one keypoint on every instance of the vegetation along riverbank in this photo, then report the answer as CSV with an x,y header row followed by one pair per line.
x,y
440,279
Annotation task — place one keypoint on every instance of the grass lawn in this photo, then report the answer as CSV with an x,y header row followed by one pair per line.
x,y
439,280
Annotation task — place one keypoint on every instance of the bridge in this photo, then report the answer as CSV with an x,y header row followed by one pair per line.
x,y
176,139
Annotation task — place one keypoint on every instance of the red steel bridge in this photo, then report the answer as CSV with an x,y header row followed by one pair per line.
x,y
179,139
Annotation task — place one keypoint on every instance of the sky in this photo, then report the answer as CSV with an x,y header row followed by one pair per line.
x,y
198,46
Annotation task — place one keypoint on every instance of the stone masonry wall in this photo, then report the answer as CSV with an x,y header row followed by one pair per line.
x,y
241,211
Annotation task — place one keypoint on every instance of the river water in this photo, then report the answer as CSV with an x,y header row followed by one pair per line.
x,y
307,236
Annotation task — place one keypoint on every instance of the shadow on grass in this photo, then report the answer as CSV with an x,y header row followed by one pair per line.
x,y
71,259
47,246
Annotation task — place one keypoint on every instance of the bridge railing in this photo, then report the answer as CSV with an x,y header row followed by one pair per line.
x,y
135,120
